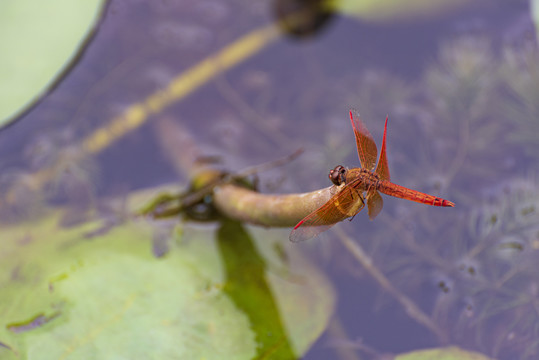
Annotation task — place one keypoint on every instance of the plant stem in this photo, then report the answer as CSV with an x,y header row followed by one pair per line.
x,y
245,205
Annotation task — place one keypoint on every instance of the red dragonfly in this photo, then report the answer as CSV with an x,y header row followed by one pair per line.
x,y
357,185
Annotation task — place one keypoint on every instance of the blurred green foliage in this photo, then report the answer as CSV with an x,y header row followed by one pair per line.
x,y
394,10
37,42
450,353
66,295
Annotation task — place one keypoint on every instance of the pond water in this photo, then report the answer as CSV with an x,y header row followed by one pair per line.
x,y
460,84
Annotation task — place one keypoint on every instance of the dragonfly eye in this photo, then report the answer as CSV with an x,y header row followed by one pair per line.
x,y
338,175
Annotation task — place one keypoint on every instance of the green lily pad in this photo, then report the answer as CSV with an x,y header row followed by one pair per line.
x,y
449,353
38,39
374,10
216,294
534,7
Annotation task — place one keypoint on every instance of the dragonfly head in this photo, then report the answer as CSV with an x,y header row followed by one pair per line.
x,y
338,175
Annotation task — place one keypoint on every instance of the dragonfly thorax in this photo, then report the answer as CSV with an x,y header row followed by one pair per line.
x,y
363,178
367,179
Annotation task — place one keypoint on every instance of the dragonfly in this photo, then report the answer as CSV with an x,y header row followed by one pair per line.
x,y
359,187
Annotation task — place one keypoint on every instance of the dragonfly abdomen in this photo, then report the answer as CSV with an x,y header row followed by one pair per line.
x,y
402,192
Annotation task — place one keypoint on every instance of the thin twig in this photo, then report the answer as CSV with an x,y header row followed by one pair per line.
x,y
408,240
252,170
409,306
344,347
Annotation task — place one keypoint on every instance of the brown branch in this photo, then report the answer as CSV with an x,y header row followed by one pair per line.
x,y
268,210
230,198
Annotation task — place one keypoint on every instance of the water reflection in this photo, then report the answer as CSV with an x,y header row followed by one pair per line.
x,y
463,106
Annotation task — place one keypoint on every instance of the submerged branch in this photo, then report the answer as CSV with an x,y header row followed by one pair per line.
x,y
409,306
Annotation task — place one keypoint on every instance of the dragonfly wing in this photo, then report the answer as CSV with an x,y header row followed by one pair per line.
x,y
366,147
346,203
306,232
382,169
375,203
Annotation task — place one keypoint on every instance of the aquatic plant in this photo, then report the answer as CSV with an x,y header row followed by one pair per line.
x,y
496,278
520,72
474,271
55,169
20,198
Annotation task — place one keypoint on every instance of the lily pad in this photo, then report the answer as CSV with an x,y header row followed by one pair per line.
x,y
38,39
388,10
449,353
216,294
534,7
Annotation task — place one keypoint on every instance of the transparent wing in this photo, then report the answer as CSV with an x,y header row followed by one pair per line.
x,y
382,169
375,203
366,147
346,203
